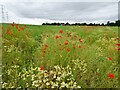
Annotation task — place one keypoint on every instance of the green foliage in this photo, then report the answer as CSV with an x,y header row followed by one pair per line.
x,y
86,54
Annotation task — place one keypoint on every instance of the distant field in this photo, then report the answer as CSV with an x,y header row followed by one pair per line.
x,y
60,56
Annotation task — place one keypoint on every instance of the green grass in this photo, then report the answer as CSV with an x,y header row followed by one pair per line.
x,y
89,64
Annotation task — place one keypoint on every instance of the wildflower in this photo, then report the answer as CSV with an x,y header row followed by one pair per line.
x,y
63,84
116,38
54,76
22,28
18,30
49,51
66,36
8,30
111,75
46,46
47,83
76,36
12,24
42,67
17,26
109,58
60,49
60,44
70,35
58,79
11,34
43,51
66,42
79,46
67,33
60,36
57,36
80,40
68,50
118,49
117,44
61,31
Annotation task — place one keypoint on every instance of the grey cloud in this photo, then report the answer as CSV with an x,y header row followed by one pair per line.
x,y
67,11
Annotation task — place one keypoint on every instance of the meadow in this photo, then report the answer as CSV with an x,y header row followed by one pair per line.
x,y
59,56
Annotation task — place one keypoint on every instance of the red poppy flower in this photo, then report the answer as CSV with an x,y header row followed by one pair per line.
x,y
66,36
68,50
80,40
57,36
18,30
61,31
42,68
79,46
60,44
111,75
76,36
13,24
43,51
109,58
17,26
60,49
117,44
66,42
46,46
67,33
118,49
8,30
116,38
11,34
22,28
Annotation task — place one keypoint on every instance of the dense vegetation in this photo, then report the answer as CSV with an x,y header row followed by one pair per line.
x,y
116,23
59,56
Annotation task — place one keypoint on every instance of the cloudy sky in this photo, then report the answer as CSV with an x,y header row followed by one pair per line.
x,y
34,12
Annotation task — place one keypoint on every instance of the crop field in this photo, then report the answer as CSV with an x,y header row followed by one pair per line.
x,y
59,56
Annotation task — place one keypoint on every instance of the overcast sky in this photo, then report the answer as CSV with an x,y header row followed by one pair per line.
x,y
39,12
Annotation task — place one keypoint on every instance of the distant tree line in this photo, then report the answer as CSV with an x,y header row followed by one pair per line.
x,y
116,23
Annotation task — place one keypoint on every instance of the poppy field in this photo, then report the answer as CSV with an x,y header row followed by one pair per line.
x,y
59,56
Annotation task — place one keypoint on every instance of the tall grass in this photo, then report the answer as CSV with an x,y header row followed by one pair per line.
x,y
90,52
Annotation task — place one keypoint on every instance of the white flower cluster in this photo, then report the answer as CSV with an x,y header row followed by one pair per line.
x,y
80,65
58,77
